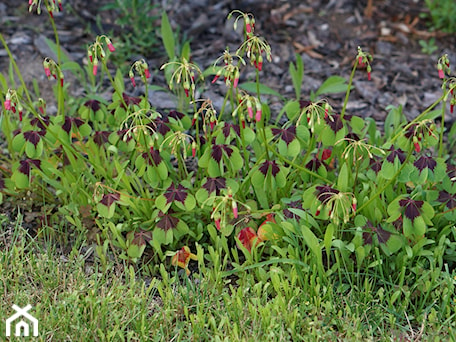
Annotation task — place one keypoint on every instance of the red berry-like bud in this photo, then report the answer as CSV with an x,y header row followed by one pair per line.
x,y
215,79
217,224
235,209
147,73
193,149
441,72
7,104
110,46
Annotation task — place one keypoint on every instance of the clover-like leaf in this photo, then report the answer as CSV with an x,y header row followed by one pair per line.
x,y
447,198
412,208
425,162
227,128
396,154
33,137
178,194
26,164
101,137
214,184
109,199
268,164
335,122
167,221
218,149
287,135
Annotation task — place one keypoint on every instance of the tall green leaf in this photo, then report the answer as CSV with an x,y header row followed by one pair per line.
x,y
168,36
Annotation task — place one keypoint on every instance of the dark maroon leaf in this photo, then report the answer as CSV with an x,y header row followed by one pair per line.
x,y
176,115
396,153
101,137
412,208
335,122
109,199
411,131
40,124
451,171
375,164
275,169
217,151
124,133
130,100
287,135
160,125
382,235
226,130
141,238
295,205
352,136
425,162
325,192
26,164
71,121
214,184
314,164
303,104
449,199
152,157
33,137
178,194
167,222
93,104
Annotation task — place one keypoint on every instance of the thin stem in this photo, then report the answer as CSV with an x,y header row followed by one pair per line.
x,y
347,94
442,123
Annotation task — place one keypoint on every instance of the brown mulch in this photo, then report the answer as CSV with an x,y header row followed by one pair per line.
x,y
325,33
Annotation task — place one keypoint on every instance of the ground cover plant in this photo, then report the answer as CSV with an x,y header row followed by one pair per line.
x,y
295,207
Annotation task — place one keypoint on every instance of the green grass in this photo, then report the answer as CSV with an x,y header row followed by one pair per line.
x,y
77,300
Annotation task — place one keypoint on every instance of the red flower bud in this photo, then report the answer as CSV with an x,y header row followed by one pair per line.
x,y
111,47
147,73
215,78
7,104
326,154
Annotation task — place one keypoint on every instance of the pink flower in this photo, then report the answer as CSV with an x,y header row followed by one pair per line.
x,y
7,104
147,73
132,79
217,223
258,115
215,78
441,72
235,209
95,68
47,71
111,47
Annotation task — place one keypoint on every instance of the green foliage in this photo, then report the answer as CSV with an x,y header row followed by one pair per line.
x,y
138,24
443,15
322,200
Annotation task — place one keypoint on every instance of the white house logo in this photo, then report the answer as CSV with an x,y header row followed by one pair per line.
x,y
22,327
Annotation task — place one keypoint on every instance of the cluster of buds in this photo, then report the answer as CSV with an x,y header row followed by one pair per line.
x,y
443,66
51,69
336,202
50,6
253,46
96,52
418,131
364,59
229,71
249,22
142,69
184,74
12,103
179,140
358,150
313,111
219,208
207,112
250,104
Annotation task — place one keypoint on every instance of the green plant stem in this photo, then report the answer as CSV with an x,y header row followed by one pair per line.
x,y
60,96
442,121
347,94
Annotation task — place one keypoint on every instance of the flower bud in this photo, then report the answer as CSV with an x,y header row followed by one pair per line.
x,y
441,72
235,209
250,109
193,149
95,66
110,46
